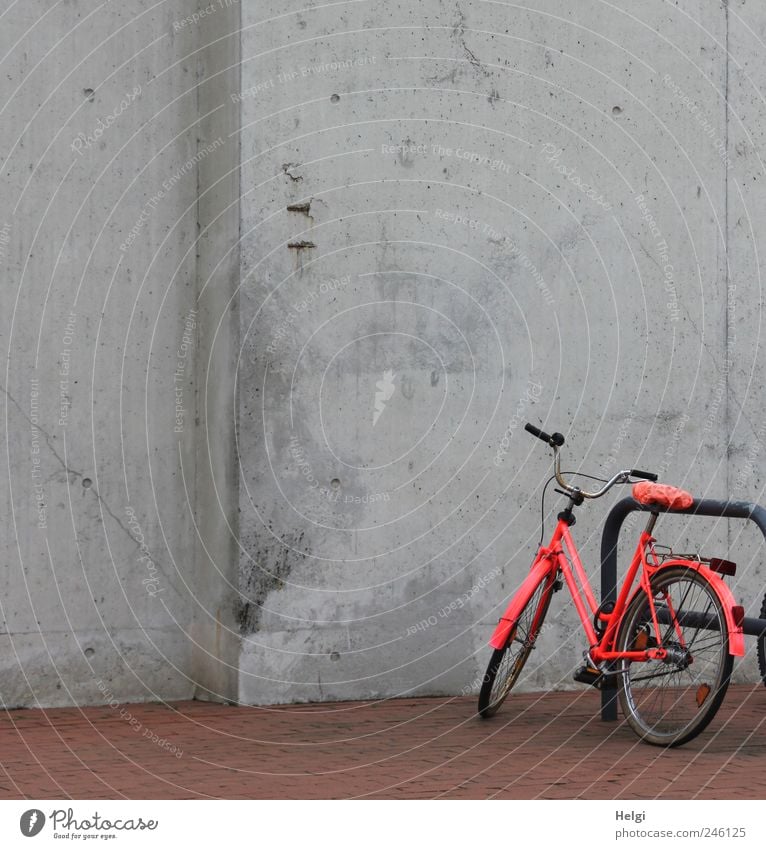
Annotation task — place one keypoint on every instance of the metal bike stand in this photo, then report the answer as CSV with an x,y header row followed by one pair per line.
x,y
610,536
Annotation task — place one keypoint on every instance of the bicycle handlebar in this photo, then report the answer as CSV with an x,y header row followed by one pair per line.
x,y
556,440
647,476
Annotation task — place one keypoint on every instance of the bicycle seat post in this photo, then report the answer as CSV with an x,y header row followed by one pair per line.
x,y
650,524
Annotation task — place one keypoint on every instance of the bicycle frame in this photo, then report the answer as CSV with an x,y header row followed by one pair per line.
x,y
555,559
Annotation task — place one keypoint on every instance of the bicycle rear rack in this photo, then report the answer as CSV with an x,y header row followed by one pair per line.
x,y
610,537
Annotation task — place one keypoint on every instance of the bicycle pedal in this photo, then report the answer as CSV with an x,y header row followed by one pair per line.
x,y
590,675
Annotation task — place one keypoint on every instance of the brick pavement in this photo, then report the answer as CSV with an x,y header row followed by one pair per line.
x,y
542,745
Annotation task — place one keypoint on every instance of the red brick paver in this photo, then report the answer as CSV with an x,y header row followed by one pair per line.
x,y
550,746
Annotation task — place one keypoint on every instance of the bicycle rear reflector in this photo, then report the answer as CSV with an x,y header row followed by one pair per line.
x,y
723,567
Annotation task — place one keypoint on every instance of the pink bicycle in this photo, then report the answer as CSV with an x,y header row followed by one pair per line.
x,y
668,639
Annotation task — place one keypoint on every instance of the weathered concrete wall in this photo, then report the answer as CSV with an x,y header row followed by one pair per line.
x,y
107,160
457,217
279,295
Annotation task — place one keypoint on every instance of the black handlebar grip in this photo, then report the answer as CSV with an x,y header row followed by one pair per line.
x,y
554,440
535,431
649,476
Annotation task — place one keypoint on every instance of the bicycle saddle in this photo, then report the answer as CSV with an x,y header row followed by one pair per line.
x,y
662,494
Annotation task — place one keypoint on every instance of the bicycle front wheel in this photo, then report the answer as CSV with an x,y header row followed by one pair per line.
x,y
668,702
506,664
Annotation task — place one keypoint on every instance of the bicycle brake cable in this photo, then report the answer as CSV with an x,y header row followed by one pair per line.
x,y
542,510
542,497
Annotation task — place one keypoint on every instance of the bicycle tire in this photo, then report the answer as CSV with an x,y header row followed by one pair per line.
x,y
505,667
762,645
690,685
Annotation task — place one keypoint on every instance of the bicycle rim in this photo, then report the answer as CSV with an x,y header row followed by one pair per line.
x,y
762,646
668,702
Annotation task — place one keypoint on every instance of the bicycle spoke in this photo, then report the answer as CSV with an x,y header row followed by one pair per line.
x,y
660,674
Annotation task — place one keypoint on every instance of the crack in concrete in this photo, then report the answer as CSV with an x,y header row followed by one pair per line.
x,y
45,433
473,60
74,472
458,31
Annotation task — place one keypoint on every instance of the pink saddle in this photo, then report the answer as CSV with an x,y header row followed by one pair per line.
x,y
662,494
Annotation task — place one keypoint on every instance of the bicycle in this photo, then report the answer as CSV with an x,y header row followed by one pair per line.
x,y
669,641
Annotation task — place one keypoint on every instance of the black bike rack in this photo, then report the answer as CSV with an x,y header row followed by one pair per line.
x,y
611,534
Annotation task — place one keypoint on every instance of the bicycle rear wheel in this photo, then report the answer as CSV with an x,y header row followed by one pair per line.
x,y
506,664
668,702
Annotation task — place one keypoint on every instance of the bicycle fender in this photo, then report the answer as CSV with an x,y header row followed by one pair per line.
x,y
520,598
736,635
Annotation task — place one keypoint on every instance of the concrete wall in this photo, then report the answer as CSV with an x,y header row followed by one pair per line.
x,y
479,214
109,158
282,282
214,631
